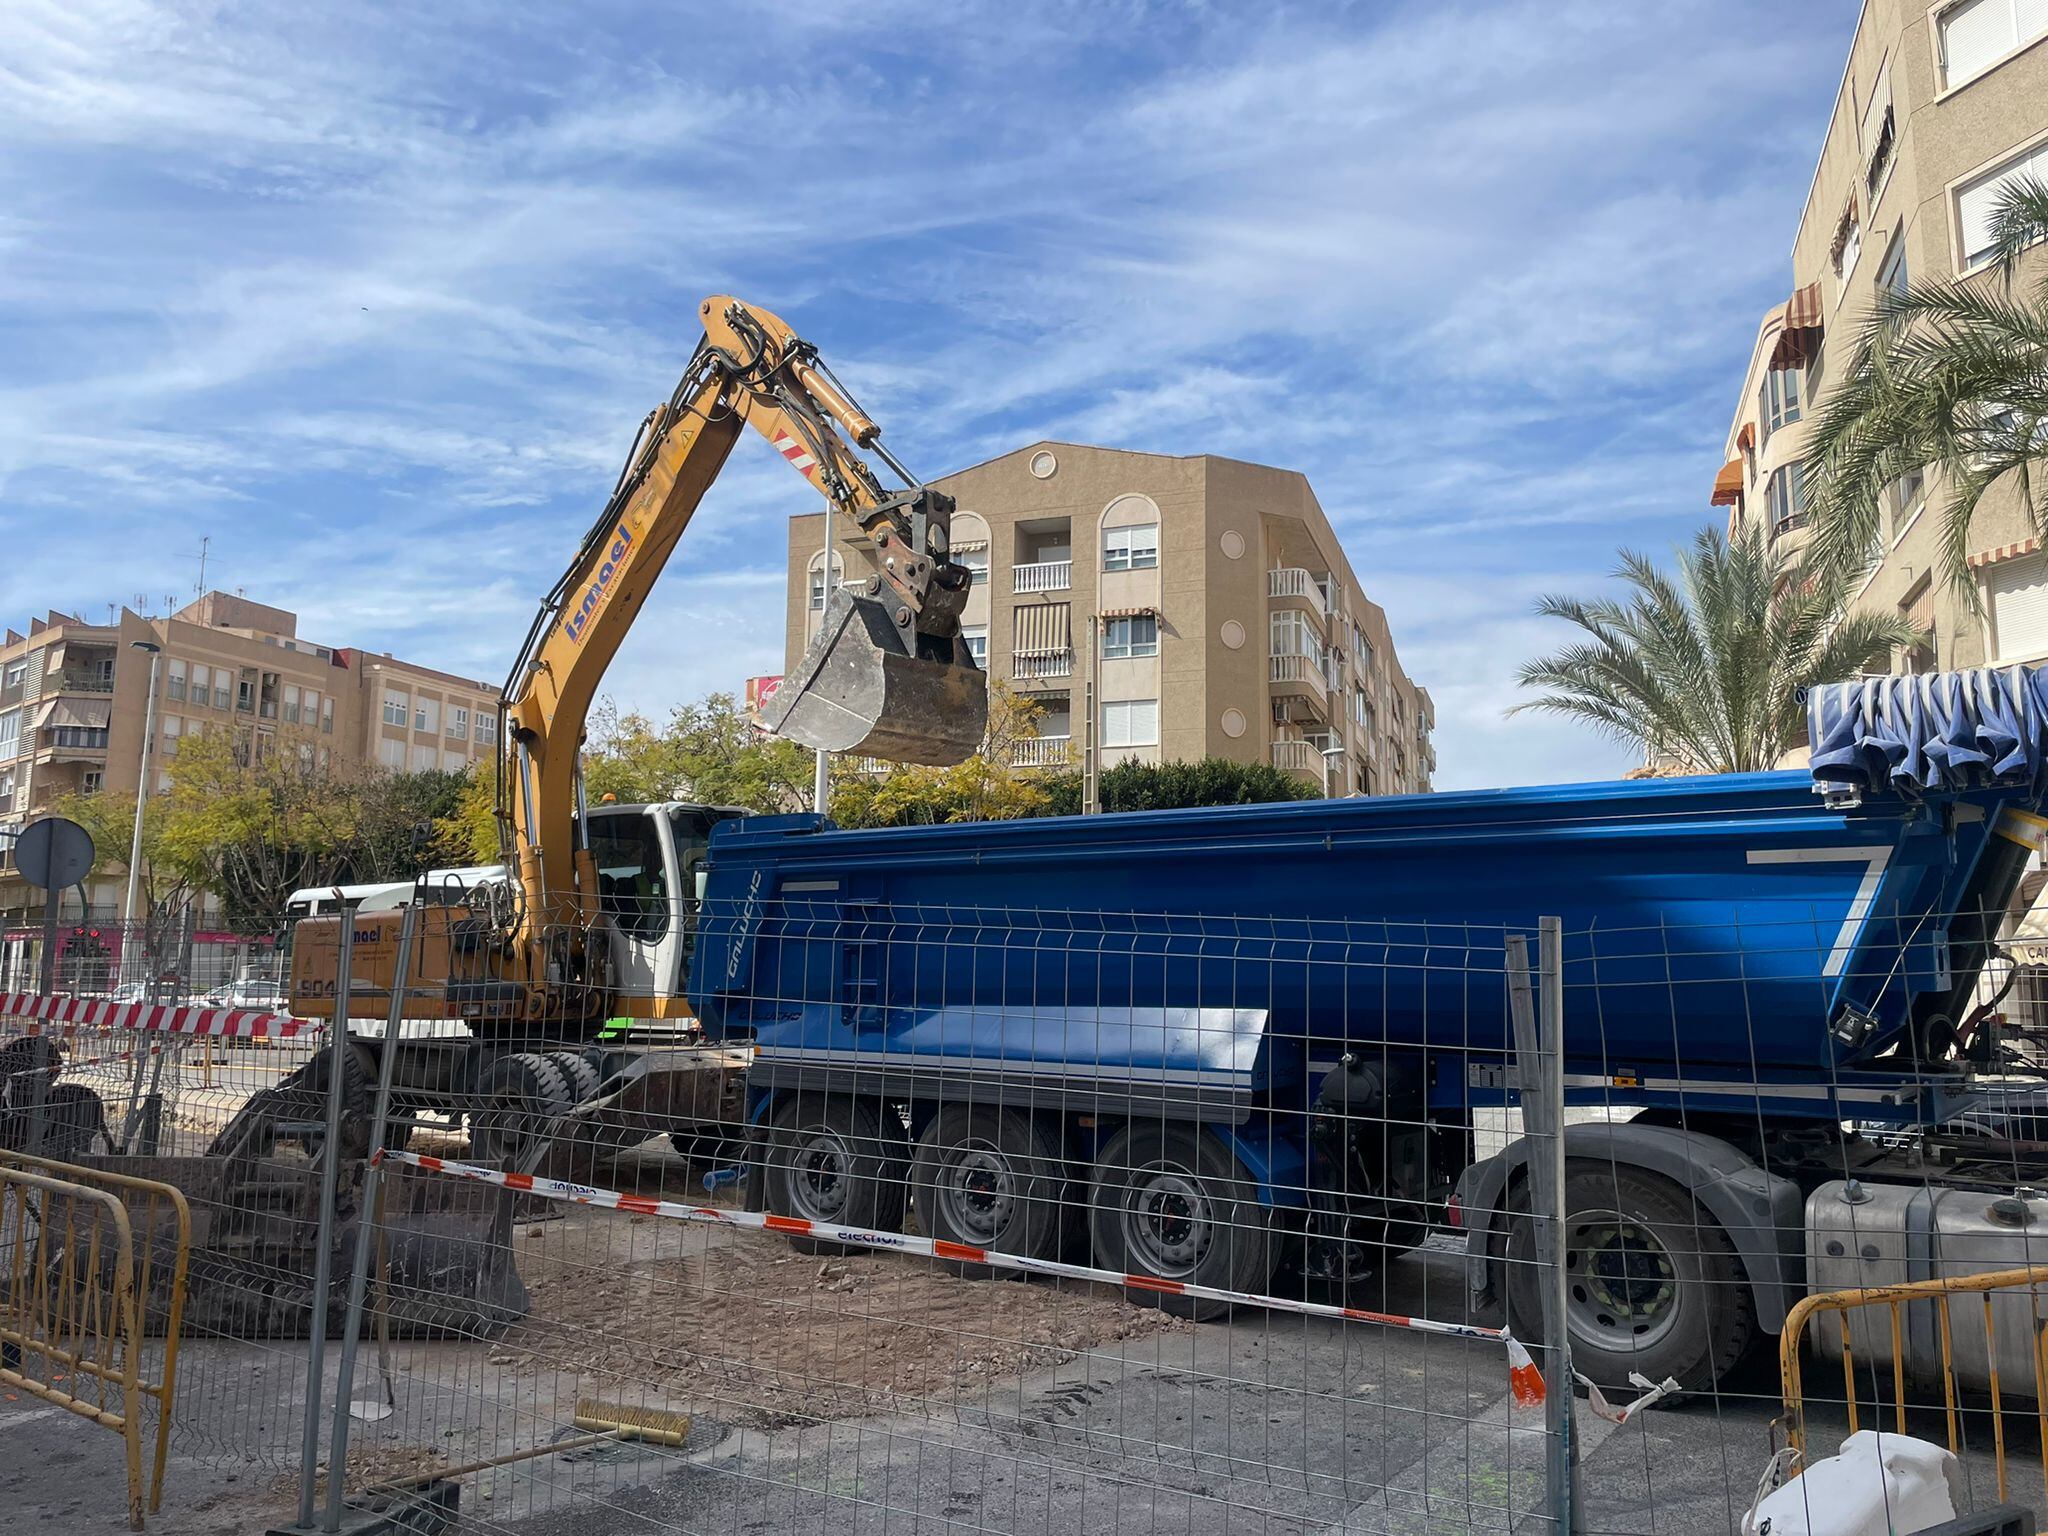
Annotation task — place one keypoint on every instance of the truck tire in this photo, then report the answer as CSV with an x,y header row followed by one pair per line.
x,y
989,1178
1170,1203
518,1097
830,1159
1654,1285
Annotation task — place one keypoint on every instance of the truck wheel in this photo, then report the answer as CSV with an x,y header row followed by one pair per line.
x,y
1653,1284
989,1178
1170,1203
830,1160
519,1097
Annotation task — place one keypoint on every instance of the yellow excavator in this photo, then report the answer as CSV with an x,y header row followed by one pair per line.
x,y
592,921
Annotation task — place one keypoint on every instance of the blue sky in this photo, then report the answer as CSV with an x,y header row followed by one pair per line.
x,y
375,296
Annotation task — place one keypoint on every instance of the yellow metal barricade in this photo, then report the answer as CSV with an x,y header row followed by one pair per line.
x,y
76,1286
1939,1294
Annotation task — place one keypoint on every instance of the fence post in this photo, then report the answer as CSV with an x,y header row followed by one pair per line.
x,y
359,1264
1539,1080
330,1188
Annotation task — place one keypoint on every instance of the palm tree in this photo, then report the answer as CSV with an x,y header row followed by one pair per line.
x,y
1706,671
1952,374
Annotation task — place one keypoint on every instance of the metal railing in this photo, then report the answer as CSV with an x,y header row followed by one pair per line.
x,y
2023,1309
1044,576
1045,663
1043,752
80,1297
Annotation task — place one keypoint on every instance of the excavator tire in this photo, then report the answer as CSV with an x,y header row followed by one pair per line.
x,y
518,1097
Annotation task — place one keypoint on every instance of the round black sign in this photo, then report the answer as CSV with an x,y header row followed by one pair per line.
x,y
54,853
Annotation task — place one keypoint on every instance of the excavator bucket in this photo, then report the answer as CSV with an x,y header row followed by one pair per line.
x,y
873,686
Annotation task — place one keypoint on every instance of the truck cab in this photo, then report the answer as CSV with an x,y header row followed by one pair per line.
x,y
650,861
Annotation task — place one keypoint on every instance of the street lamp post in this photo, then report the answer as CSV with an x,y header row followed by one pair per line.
x,y
1332,756
131,931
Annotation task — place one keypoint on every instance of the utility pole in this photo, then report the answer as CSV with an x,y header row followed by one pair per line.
x,y
821,773
132,939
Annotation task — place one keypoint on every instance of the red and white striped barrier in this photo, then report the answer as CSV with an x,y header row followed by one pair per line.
x,y
1525,1381
97,1013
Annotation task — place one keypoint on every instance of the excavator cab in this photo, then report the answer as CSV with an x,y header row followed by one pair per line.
x,y
872,685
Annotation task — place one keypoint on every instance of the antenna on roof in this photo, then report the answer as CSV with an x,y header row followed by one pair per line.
x,y
199,587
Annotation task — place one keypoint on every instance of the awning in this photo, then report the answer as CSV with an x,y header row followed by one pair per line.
x,y
1746,438
1728,484
1044,627
1937,730
1800,338
1128,613
93,717
2002,553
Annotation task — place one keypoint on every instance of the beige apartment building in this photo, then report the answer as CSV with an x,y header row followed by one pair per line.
x,y
74,698
1201,605
1940,107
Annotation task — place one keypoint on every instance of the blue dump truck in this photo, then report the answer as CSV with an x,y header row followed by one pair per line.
x,y
1265,1046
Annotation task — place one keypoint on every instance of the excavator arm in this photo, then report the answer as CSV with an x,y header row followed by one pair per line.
x,y
888,675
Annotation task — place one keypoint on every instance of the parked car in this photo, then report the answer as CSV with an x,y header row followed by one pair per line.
x,y
253,994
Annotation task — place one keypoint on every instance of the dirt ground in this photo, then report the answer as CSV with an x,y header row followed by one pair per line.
x,y
738,1324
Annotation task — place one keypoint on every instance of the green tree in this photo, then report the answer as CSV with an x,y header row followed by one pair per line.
x,y
986,787
253,819
399,825
164,890
1948,374
709,751
1179,785
1706,670
468,832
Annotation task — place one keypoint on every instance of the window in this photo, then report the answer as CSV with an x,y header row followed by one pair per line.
x,y
486,726
1977,202
391,752
1904,498
395,709
245,694
1130,723
312,703
976,561
976,636
458,723
1134,635
426,715
16,674
1787,499
92,781
327,716
818,586
10,733
632,886
1292,635
2018,592
291,704
267,696
1977,34
7,789
1891,272
1879,135
1848,245
174,680
1131,549
1778,400
173,729
221,682
77,736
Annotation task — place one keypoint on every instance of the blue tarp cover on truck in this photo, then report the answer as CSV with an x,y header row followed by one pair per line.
x,y
1936,731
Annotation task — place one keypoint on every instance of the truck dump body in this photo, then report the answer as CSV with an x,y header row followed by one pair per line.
x,y
1739,924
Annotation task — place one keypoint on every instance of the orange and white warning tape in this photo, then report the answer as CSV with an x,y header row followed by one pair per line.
x,y
1525,1381
96,1013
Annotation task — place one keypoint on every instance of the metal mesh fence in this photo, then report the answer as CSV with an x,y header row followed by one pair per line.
x,y
1009,1221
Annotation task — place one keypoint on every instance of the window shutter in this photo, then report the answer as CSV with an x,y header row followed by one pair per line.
x,y
1974,35
2032,16
1880,102
1144,720
2019,607
1978,201
1044,627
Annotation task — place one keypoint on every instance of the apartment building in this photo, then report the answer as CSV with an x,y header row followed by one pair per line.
x,y
1940,108
74,699
1202,606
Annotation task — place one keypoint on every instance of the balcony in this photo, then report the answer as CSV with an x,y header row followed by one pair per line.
x,y
1291,581
1043,752
1298,757
1044,576
1298,674
79,680
1037,665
